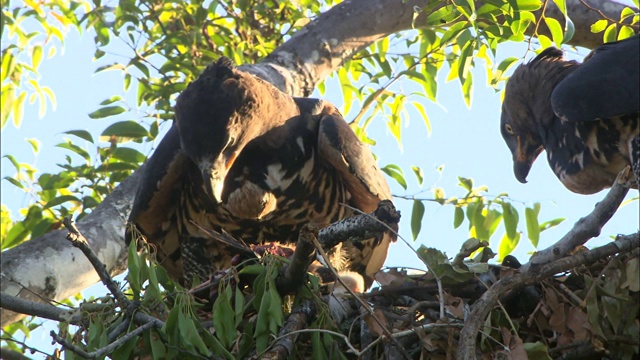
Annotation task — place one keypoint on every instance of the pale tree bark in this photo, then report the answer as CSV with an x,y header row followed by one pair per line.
x,y
49,267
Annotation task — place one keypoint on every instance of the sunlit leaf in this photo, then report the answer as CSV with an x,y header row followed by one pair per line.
x,y
599,26
507,245
611,34
533,228
419,175
556,30
36,56
396,173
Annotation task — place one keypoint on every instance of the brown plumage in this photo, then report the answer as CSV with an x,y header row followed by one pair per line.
x,y
584,115
245,158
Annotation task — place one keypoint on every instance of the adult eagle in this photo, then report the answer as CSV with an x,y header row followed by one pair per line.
x,y
244,158
584,115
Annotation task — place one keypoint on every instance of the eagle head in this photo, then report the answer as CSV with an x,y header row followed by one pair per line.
x,y
526,108
220,113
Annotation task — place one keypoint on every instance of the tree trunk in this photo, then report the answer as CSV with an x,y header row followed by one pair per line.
x,y
49,267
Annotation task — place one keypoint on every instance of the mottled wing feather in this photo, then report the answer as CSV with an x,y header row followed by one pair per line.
x,y
154,208
605,85
339,147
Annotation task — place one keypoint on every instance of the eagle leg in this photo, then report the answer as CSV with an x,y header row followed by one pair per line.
x,y
194,260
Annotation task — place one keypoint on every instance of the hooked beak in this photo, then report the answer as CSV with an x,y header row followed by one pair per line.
x,y
526,154
214,173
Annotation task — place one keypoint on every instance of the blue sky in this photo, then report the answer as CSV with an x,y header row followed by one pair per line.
x,y
466,141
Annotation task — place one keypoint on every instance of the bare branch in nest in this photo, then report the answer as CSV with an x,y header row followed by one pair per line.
x,y
587,227
299,319
482,307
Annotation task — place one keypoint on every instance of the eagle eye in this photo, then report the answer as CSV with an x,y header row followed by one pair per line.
x,y
509,129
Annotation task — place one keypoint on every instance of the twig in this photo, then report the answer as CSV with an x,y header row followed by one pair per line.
x,y
482,307
41,310
105,350
8,354
591,8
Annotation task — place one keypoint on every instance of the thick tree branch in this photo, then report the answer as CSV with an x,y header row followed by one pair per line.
x,y
316,51
49,267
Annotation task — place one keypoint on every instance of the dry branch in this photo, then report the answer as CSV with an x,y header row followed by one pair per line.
x,y
482,307
299,319
586,228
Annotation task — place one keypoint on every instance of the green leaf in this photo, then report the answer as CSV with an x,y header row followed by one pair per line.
x,y
14,182
466,183
124,131
458,217
442,16
562,5
36,56
223,317
537,350
599,26
188,328
533,228
107,111
423,113
419,175
507,245
550,224
467,89
556,30
61,200
82,134
35,145
133,263
625,32
416,218
511,218
395,172
611,34
128,155
76,149
111,100
528,5
261,333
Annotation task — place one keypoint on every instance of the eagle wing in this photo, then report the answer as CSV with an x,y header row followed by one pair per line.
x,y
604,86
154,207
339,146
